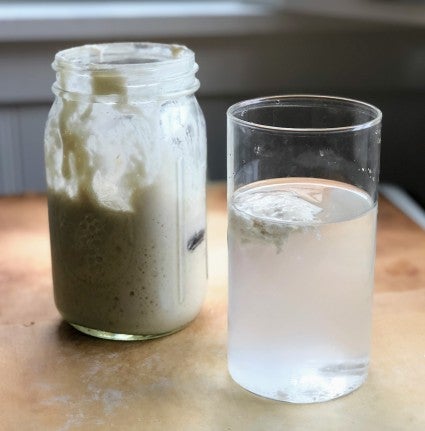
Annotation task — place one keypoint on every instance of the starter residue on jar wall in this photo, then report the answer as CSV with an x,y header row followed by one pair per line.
x,y
79,126
123,259
105,83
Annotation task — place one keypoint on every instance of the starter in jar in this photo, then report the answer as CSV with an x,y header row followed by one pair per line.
x,y
126,197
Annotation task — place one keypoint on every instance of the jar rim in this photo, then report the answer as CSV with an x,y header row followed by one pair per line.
x,y
132,70
118,56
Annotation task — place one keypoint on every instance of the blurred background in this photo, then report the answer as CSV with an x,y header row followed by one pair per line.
x,y
373,50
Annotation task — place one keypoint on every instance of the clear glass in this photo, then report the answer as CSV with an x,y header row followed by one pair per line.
x,y
125,150
302,201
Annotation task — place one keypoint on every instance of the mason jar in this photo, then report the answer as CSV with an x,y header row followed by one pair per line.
x,y
125,152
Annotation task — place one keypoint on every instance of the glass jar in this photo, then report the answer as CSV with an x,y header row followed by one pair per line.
x,y
125,151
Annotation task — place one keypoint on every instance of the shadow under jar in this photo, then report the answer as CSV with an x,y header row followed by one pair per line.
x,y
125,152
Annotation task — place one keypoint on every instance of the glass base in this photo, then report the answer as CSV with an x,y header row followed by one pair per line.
x,y
310,387
120,337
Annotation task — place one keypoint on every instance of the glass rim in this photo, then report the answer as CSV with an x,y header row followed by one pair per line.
x,y
262,101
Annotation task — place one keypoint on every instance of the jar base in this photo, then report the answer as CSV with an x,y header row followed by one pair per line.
x,y
121,337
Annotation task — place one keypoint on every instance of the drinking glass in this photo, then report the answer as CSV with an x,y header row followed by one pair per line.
x,y
302,200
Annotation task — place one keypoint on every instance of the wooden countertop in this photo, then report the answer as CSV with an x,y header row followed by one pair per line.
x,y
54,378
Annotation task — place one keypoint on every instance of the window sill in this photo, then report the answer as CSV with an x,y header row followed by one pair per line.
x,y
58,21
78,21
